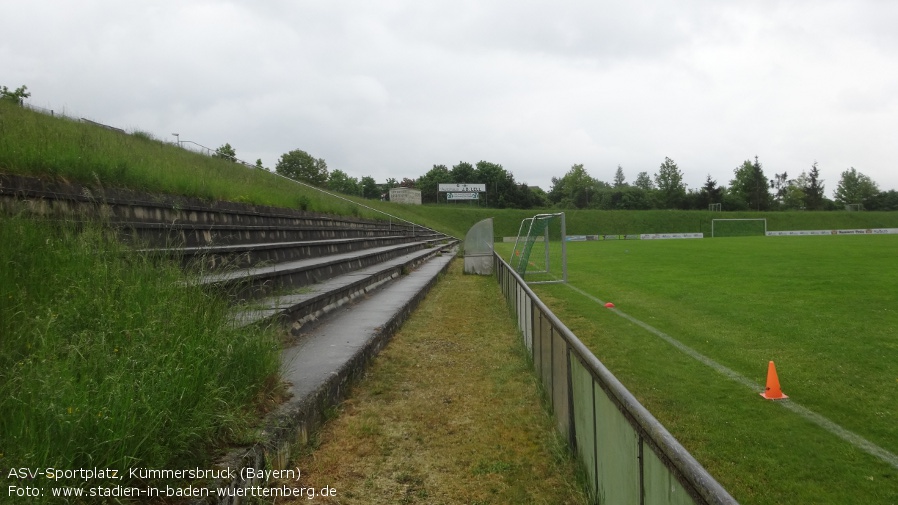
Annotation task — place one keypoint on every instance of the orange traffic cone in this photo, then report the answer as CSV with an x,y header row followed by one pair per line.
x,y
773,391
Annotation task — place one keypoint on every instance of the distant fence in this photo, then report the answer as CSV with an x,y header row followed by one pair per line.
x,y
628,455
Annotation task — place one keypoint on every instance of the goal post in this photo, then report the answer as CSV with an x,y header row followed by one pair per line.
x,y
540,249
749,227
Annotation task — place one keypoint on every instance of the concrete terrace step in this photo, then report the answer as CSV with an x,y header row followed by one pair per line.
x,y
321,365
245,255
181,234
258,281
296,309
117,205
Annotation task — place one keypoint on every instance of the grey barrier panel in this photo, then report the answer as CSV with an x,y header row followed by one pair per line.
x,y
618,453
547,334
524,319
582,389
661,488
627,436
561,386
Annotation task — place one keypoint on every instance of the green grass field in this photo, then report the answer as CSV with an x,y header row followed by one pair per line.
x,y
822,308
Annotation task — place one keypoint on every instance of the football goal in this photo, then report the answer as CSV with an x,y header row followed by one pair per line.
x,y
738,227
540,249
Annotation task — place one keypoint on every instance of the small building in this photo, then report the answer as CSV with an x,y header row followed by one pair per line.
x,y
406,195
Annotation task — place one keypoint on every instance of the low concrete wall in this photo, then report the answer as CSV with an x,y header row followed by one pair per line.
x,y
59,199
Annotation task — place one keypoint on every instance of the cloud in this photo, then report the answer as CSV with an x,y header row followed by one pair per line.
x,y
391,88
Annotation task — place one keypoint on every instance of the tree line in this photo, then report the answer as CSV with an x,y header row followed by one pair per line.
x,y
749,189
502,190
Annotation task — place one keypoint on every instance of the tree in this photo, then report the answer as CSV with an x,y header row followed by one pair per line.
x,y
669,181
429,183
18,96
501,190
644,182
855,187
574,189
813,190
301,166
463,173
886,200
710,193
619,180
259,164
781,184
341,182
537,196
225,152
794,196
370,189
751,185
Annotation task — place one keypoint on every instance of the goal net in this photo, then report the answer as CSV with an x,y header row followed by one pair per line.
x,y
540,249
738,227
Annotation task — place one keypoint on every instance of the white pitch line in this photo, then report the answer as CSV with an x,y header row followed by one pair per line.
x,y
849,436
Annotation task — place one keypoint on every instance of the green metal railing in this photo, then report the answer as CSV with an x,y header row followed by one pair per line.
x,y
629,457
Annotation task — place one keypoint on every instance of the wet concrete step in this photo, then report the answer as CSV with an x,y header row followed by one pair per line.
x,y
322,364
259,281
246,255
334,344
295,310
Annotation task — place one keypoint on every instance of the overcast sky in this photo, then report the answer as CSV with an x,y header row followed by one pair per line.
x,y
389,88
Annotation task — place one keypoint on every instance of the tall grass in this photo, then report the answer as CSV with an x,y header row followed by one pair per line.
x,y
39,145
110,359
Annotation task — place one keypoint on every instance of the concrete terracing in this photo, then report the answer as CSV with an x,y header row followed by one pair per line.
x,y
340,286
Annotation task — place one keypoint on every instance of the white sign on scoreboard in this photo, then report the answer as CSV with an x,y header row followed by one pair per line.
x,y
462,187
462,196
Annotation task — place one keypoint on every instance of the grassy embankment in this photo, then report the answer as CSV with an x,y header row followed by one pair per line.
x,y
109,359
822,308
44,146
607,222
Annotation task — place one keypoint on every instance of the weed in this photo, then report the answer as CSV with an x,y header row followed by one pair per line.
x,y
112,359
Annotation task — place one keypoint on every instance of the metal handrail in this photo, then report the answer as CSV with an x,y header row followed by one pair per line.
x,y
692,474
